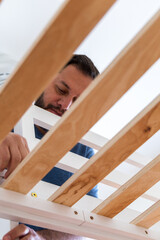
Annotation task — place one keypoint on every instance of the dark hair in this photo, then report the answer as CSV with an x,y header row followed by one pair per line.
x,y
84,64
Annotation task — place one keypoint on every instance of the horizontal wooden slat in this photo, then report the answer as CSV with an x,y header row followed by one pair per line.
x,y
56,45
131,190
108,88
149,217
110,156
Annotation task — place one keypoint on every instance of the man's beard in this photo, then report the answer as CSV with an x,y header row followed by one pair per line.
x,y
40,103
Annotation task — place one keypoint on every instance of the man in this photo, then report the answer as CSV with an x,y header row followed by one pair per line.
x,y
61,93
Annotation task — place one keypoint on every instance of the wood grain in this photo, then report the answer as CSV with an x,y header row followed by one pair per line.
x,y
125,70
149,217
61,37
110,156
131,190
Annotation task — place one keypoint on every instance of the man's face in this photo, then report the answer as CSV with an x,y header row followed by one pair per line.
x,y
63,90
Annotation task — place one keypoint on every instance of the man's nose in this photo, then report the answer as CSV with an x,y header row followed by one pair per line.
x,y
65,102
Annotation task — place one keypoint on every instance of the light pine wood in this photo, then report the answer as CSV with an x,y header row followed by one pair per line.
x,y
110,156
131,190
46,120
102,93
149,217
54,48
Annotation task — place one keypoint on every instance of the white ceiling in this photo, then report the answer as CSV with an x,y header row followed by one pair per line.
x,y
21,21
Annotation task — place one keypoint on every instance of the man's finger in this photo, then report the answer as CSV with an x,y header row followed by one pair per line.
x,y
18,151
4,154
15,159
17,232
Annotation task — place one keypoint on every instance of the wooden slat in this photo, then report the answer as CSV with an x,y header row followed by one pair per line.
x,y
149,217
110,156
63,35
108,88
72,162
46,120
131,190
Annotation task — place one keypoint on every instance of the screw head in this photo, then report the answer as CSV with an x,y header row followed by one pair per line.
x,y
33,194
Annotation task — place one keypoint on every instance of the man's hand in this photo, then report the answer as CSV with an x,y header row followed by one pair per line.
x,y
13,150
23,232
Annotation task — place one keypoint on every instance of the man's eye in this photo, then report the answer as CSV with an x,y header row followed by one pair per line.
x,y
61,91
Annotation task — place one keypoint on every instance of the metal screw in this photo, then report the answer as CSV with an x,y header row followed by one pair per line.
x,y
33,194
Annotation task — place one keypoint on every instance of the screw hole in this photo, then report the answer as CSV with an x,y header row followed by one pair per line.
x,y
91,217
75,212
146,232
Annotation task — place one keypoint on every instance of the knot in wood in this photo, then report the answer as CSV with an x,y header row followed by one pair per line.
x,y
147,129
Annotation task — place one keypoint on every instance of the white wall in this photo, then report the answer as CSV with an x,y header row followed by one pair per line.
x,y
21,21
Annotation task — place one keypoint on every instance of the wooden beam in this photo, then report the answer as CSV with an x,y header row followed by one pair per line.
x,y
148,217
72,162
108,88
57,217
131,190
46,120
110,156
54,48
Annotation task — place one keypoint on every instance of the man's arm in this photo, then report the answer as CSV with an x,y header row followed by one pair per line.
x,y
26,233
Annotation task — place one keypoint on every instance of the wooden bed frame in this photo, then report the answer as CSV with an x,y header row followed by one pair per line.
x,y
52,208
